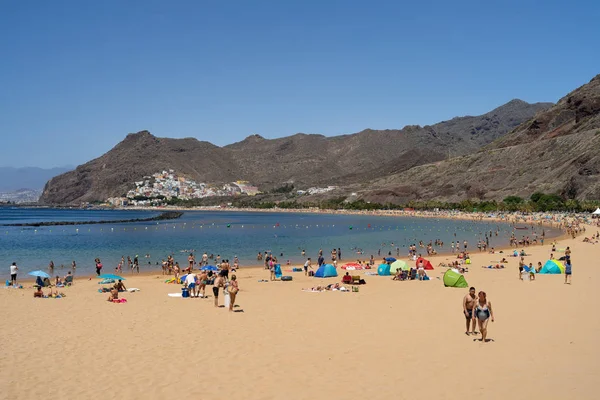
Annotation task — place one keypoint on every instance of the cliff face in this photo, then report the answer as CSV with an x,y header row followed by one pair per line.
x,y
558,151
305,160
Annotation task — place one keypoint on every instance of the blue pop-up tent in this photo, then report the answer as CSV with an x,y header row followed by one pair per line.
x,y
326,271
383,269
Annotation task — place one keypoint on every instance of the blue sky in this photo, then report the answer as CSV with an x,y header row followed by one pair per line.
x,y
77,76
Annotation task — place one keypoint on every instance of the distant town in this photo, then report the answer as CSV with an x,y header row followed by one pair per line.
x,y
20,196
166,185
161,187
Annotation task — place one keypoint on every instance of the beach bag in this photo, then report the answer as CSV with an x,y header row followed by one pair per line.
x,y
286,278
232,289
311,273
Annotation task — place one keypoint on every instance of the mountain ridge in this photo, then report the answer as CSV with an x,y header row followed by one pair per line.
x,y
302,159
557,151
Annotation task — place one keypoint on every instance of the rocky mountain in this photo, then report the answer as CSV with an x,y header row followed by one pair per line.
x,y
558,151
305,160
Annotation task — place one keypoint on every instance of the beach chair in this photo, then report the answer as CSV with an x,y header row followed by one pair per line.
x,y
356,279
278,271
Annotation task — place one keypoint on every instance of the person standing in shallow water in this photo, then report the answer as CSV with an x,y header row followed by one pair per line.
x,y
468,305
98,266
482,313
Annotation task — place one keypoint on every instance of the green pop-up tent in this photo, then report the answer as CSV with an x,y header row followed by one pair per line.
x,y
454,279
398,264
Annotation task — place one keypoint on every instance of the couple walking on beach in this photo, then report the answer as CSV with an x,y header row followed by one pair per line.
x,y
477,310
230,286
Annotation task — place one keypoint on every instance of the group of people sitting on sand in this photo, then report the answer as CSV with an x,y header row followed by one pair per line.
x,y
52,293
411,274
53,288
115,290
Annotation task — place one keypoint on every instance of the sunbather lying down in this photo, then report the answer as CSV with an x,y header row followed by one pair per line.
x,y
331,286
497,266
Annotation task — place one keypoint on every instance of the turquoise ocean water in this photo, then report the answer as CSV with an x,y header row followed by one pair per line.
x,y
229,234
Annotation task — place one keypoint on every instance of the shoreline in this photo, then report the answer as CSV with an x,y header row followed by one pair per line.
x,y
537,219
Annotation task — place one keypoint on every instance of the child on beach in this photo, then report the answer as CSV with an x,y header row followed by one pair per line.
x,y
531,272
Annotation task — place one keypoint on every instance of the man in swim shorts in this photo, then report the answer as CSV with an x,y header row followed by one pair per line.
x,y
521,268
468,304
219,283
203,279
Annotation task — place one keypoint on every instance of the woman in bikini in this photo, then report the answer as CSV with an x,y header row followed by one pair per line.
x,y
483,312
233,289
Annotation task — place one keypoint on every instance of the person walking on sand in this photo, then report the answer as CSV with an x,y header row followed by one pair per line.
x,y
468,305
483,313
233,289
568,270
13,273
219,283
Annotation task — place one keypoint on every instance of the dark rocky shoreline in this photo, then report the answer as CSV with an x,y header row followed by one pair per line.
x,y
162,217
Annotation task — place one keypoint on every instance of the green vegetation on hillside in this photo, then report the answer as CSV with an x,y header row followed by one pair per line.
x,y
538,201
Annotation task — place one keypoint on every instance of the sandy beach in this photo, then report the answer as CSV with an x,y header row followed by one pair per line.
x,y
389,340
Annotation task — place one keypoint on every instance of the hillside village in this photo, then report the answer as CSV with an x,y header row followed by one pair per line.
x,y
166,185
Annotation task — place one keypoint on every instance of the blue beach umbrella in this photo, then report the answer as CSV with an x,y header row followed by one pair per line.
x,y
41,274
209,268
111,276
390,259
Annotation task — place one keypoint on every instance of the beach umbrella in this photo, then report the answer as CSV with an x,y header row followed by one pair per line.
x,y
209,268
399,264
39,273
390,259
111,276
